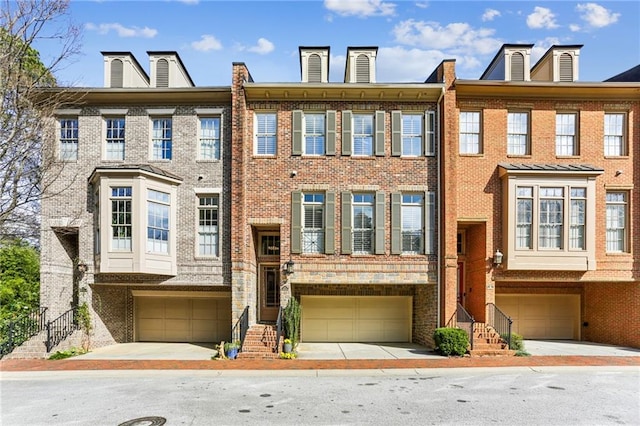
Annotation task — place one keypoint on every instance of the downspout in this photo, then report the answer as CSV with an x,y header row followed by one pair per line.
x,y
438,203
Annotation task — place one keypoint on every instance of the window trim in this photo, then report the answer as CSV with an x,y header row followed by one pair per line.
x,y
466,151
624,142
527,134
576,134
627,220
217,150
217,235
59,138
163,139
256,136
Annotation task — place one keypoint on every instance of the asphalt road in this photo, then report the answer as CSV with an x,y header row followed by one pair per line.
x,y
473,396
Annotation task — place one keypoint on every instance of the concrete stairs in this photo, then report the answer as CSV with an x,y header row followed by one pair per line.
x,y
260,342
36,348
487,342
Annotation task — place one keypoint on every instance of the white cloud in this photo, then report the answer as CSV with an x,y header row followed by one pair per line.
x,y
574,27
542,18
121,30
489,14
458,37
422,5
189,1
540,48
263,47
207,42
360,8
596,16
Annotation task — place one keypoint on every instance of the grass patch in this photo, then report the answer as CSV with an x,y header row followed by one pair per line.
x,y
68,353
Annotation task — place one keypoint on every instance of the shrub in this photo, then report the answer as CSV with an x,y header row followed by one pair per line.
x,y
292,321
68,353
451,341
516,343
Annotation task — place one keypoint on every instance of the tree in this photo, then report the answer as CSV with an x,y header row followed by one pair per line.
x,y
19,279
27,166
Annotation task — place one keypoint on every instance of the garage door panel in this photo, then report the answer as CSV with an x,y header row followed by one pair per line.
x,y
539,316
316,330
340,331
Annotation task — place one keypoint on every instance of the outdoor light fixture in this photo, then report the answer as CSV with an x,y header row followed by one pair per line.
x,y
82,267
288,267
497,258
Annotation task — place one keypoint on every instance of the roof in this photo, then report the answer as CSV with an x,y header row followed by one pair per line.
x,y
629,76
557,168
500,53
551,49
135,168
171,53
125,53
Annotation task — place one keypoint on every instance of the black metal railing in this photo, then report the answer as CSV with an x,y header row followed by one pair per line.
x,y
500,322
61,328
463,320
279,330
15,332
239,331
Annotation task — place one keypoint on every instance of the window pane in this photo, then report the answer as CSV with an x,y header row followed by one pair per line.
x,y
613,134
412,135
363,223
362,134
565,134
208,226
121,215
115,138
265,134
616,221
517,133
314,134
469,133
68,139
412,223
210,138
161,139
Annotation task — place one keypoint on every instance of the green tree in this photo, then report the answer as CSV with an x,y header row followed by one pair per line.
x,y
19,279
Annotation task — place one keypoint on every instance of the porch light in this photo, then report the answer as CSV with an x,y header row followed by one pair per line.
x,y
82,267
497,258
288,267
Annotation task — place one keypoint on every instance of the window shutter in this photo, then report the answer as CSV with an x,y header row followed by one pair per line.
x,y
330,223
346,223
117,73
296,145
296,222
566,67
346,133
331,133
396,223
362,69
162,73
379,248
314,70
396,133
429,222
379,136
517,67
430,133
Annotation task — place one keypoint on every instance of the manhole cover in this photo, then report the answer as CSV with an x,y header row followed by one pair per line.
x,y
145,421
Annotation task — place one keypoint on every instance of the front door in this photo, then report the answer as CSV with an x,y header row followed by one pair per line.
x,y
269,292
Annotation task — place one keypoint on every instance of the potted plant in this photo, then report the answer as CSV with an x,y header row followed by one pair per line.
x,y
288,346
231,349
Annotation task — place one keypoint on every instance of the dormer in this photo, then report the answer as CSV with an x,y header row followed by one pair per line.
x,y
122,70
511,63
559,63
314,64
167,70
361,65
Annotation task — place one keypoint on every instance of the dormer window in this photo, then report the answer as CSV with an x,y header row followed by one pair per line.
x,y
117,73
361,63
314,64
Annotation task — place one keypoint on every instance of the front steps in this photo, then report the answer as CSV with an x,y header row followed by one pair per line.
x,y
36,348
487,342
259,343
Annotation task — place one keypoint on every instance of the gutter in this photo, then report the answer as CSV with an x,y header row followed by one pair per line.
x,y
438,204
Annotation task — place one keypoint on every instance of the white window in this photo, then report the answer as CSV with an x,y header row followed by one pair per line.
x,y
518,133
363,134
550,218
210,138
470,132
412,135
578,221
161,139
313,223
412,226
265,134
208,231
616,222
614,144
157,222
363,223
115,138
121,215
566,136
68,139
314,134
430,133
524,217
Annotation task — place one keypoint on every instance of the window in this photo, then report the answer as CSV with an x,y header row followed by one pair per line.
x,y
314,134
210,138
411,135
115,138
524,217
518,133
121,218
270,245
363,134
362,233
616,215
157,222
614,144
313,223
412,223
265,134
470,132
68,139
430,133
566,143
551,218
208,225
363,223
577,223
161,139
412,227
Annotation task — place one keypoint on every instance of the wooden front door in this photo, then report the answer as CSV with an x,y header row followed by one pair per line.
x,y
269,286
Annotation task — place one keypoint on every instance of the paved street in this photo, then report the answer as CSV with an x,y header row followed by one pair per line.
x,y
513,395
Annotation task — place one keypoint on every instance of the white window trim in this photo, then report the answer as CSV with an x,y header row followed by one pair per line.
x,y
304,133
58,138
202,115
200,193
255,134
153,118
372,134
112,116
480,130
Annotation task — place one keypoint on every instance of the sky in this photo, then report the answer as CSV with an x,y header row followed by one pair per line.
x,y
412,37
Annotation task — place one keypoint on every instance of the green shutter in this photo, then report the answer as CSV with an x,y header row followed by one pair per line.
x,y
379,135
346,133
296,125
346,223
296,222
429,222
396,133
379,248
396,223
330,223
331,133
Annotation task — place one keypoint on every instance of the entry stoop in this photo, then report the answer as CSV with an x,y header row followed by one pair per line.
x,y
487,342
36,348
259,343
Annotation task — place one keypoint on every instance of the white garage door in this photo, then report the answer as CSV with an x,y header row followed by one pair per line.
x,y
182,319
356,318
550,316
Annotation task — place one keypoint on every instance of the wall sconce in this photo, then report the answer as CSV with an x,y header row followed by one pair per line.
x,y
497,258
82,267
288,267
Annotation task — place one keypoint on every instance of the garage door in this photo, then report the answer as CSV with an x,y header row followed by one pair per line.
x,y
182,319
356,318
543,316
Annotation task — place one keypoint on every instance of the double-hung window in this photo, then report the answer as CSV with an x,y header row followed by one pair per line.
x,y
518,133
550,217
363,223
115,138
208,231
470,142
157,222
412,135
121,215
412,223
566,134
313,223
314,134
614,136
616,222
68,139
265,134
363,134
161,139
209,138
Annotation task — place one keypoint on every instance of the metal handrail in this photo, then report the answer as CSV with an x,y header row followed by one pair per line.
x,y
500,322
279,330
60,328
239,331
21,329
463,320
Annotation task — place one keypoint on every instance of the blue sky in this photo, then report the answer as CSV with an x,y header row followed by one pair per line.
x,y
412,37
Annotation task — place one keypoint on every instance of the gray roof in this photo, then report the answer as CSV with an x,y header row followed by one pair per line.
x,y
631,75
570,168
142,167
